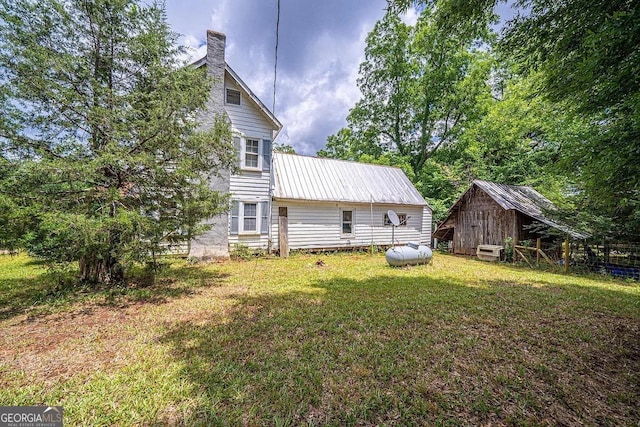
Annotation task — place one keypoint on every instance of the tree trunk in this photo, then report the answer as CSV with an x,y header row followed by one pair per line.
x,y
99,271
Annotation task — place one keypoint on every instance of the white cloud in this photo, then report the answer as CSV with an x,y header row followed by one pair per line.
x,y
326,93
410,17
196,49
321,47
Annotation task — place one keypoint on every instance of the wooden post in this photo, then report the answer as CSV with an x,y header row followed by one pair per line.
x,y
283,232
524,258
566,254
514,233
538,251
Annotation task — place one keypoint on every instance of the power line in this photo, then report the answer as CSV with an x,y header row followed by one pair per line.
x,y
275,66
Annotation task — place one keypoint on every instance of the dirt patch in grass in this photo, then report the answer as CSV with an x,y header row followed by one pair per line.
x,y
56,347
102,334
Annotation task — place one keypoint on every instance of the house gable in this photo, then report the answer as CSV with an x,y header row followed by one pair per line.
x,y
249,98
247,119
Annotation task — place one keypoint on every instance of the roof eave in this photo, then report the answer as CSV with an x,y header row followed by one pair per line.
x,y
199,63
362,202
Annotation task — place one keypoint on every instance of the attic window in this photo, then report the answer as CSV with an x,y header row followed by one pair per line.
x,y
233,96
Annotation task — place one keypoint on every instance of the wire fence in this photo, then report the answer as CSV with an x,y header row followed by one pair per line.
x,y
620,260
615,259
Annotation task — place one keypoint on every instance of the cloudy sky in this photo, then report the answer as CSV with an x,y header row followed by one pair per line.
x,y
321,45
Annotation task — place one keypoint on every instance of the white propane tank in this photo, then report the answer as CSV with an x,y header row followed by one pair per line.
x,y
412,254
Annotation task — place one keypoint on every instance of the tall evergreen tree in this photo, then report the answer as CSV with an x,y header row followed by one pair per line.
x,y
98,136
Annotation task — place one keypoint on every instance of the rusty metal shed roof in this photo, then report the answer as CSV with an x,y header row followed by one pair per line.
x,y
519,197
299,177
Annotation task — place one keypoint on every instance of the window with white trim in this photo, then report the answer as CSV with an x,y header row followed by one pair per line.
x,y
252,153
255,153
401,216
346,228
249,217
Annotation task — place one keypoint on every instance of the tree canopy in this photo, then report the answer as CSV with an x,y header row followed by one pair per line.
x,y
563,116
100,149
419,89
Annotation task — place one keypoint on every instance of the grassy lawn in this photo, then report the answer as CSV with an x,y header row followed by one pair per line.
x,y
352,342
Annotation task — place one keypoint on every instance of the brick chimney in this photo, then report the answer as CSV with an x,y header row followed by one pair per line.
x,y
214,244
216,43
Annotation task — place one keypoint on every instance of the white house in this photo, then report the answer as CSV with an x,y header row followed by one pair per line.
x,y
333,204
282,201
254,128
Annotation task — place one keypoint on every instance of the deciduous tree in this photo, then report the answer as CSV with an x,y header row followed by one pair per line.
x,y
587,53
419,89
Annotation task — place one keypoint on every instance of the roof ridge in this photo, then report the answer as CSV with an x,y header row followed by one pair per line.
x,y
310,156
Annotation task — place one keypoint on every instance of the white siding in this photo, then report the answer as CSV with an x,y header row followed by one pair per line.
x,y
427,222
252,184
315,225
251,241
247,118
249,185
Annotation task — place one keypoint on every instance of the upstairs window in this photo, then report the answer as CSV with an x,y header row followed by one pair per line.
x,y
254,153
233,97
251,153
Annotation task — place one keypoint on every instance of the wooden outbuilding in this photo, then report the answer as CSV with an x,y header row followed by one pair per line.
x,y
488,213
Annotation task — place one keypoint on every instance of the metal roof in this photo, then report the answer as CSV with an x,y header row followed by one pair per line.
x,y
519,197
329,180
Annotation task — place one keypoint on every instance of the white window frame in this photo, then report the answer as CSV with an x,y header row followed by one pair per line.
x,y
243,152
241,205
403,222
256,153
226,97
353,222
256,229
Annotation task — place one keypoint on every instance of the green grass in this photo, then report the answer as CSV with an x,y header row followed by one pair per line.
x,y
354,342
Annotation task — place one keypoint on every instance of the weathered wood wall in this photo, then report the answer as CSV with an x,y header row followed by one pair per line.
x,y
480,220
